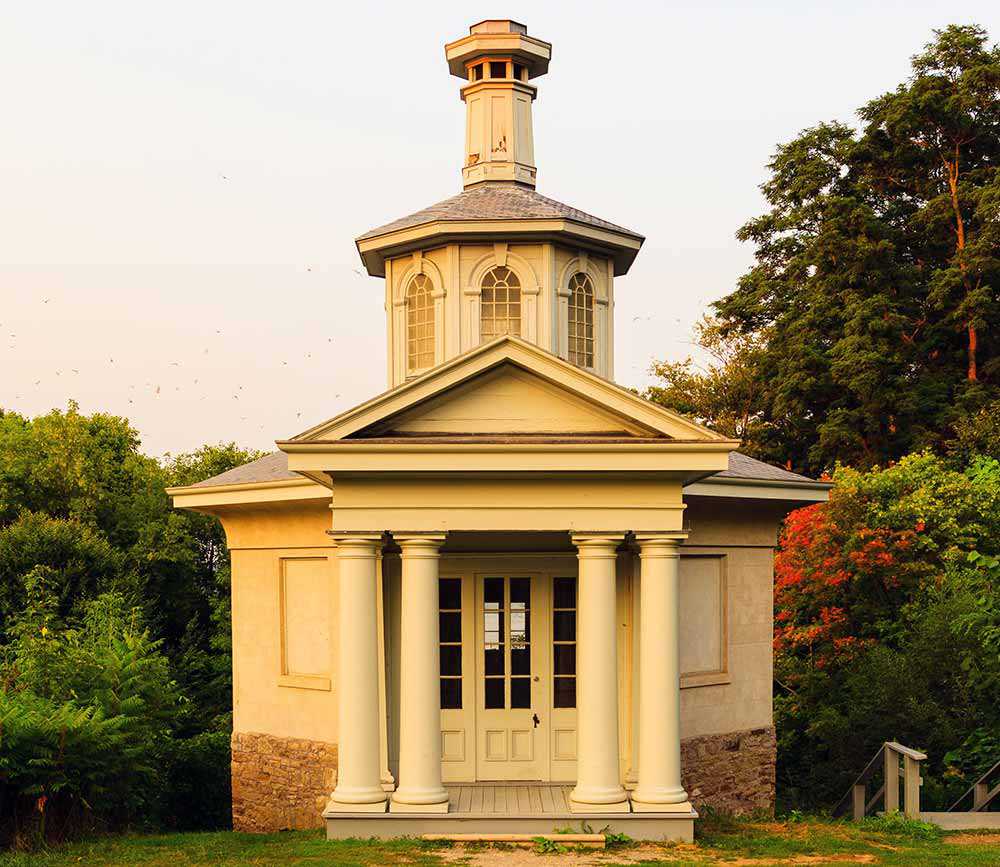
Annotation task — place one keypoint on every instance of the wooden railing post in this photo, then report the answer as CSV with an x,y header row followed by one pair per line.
x,y
858,801
891,779
911,785
979,793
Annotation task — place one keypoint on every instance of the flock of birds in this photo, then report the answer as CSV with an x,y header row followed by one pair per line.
x,y
152,387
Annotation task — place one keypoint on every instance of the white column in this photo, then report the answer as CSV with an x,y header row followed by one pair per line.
x,y
598,783
359,783
419,786
659,789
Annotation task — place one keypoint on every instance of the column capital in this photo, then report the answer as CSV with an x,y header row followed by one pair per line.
x,y
593,544
362,545
419,544
659,544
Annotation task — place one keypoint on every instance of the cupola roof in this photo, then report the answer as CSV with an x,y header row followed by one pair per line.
x,y
477,210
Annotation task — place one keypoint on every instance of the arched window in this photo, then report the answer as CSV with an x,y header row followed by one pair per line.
x,y
500,304
419,324
581,320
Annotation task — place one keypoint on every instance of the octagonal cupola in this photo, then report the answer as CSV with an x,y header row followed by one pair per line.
x,y
498,258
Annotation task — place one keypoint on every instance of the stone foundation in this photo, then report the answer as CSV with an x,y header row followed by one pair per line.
x,y
280,783
732,773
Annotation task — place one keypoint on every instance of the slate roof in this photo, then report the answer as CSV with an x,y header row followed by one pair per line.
x,y
496,201
274,467
745,467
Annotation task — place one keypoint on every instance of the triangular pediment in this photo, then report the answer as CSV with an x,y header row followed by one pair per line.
x,y
508,399
509,387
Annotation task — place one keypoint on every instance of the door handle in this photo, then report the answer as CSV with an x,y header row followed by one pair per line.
x,y
535,719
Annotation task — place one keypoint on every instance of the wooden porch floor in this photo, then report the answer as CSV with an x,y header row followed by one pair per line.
x,y
520,799
508,808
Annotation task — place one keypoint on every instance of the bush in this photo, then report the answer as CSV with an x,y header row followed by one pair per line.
x,y
887,627
199,783
86,711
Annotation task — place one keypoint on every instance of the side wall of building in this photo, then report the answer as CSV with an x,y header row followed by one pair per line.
x,y
285,626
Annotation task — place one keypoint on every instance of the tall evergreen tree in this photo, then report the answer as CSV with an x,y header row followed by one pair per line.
x,y
874,300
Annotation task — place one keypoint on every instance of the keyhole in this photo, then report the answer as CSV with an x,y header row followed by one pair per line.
x,y
535,719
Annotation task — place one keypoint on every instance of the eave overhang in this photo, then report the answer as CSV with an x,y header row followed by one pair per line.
x,y
670,459
622,247
205,498
759,489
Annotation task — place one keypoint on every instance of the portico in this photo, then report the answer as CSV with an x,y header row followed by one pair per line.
x,y
508,661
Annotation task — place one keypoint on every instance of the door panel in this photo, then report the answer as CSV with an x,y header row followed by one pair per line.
x,y
511,678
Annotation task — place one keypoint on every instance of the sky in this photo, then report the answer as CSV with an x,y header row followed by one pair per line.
x,y
181,183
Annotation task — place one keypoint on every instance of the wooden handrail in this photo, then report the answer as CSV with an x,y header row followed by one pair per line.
x,y
906,751
889,754
981,794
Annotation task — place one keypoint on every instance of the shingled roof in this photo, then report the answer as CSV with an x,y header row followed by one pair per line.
x,y
496,201
274,468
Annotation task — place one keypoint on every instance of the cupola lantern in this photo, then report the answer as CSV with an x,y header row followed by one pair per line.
x,y
498,59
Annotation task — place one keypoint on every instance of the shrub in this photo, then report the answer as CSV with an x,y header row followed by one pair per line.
x,y
199,783
86,710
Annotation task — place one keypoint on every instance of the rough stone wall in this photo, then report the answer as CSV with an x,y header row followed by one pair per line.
x,y
733,772
280,783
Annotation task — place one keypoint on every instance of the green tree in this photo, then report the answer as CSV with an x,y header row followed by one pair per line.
x,y
867,315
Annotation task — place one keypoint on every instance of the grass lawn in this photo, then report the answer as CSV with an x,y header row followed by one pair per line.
x,y
807,841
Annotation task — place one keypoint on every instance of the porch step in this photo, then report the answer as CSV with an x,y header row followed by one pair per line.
x,y
586,841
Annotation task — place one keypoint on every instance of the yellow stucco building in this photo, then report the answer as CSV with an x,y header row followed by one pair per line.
x,y
506,594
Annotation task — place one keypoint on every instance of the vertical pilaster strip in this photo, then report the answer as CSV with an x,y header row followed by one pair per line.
x,y
359,779
419,786
598,786
660,789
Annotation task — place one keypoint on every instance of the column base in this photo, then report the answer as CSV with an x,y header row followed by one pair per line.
x,y
580,807
650,807
399,807
333,806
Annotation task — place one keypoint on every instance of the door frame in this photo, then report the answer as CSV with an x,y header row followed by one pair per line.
x,y
459,727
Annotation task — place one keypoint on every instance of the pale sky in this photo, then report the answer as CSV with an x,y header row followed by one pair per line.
x,y
181,183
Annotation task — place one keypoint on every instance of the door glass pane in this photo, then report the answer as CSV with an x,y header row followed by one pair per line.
x,y
451,625
520,660
564,593
564,692
564,656
564,625
494,692
494,640
450,594
451,660
493,593
493,662
520,692
451,693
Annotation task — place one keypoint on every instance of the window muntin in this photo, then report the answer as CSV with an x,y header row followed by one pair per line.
x,y
419,324
506,643
564,642
499,304
450,640
581,320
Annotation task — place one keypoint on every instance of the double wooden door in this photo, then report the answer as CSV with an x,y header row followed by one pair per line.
x,y
508,685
